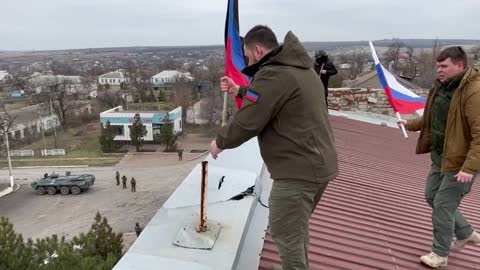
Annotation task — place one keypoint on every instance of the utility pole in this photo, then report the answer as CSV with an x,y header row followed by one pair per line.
x,y
5,134
54,123
42,128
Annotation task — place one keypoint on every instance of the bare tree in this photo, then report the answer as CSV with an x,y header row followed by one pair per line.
x,y
138,81
393,53
425,69
358,61
87,82
212,107
111,99
412,65
57,96
61,68
6,120
184,95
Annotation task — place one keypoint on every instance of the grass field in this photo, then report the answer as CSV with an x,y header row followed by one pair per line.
x,y
80,143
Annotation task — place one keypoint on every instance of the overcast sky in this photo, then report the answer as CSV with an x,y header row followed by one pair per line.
x,y
68,24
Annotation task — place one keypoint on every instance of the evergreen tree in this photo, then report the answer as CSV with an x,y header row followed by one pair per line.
x,y
99,249
14,253
167,136
107,142
106,241
137,131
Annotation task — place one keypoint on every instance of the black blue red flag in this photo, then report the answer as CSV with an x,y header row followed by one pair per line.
x,y
235,61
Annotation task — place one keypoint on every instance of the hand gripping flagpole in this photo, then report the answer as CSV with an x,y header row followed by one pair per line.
x,y
402,126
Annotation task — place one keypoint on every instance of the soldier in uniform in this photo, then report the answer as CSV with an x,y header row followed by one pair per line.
x,y
284,108
133,183
124,182
180,154
117,176
138,229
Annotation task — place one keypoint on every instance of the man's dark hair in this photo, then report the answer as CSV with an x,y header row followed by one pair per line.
x,y
262,35
456,54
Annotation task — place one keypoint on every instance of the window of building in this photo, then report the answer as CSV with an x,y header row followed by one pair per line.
x,y
118,130
18,134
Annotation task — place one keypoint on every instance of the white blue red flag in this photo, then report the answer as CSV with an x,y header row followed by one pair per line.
x,y
235,61
402,99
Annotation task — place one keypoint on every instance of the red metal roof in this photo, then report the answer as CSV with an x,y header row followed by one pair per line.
x,y
374,216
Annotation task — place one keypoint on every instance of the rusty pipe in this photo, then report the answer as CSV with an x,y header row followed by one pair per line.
x,y
203,198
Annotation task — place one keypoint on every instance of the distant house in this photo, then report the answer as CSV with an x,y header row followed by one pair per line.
x,y
41,82
87,93
345,66
29,121
17,94
371,81
113,78
167,78
4,75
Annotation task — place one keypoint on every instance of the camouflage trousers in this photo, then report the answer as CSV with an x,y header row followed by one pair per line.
x,y
292,203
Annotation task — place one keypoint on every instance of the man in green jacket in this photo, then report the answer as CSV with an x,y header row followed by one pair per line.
x,y
285,109
450,131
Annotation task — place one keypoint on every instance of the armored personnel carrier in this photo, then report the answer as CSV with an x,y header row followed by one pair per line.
x,y
65,184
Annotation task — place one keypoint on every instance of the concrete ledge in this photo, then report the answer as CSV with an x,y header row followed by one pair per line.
x,y
242,168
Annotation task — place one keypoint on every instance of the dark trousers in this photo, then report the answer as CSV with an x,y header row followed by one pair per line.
x,y
124,185
134,188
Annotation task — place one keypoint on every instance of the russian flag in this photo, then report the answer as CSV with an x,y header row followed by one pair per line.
x,y
235,62
402,99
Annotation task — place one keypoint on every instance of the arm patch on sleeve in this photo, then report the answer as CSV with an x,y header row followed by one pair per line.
x,y
252,96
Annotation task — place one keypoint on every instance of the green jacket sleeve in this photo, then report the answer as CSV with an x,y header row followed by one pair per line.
x,y
472,112
250,120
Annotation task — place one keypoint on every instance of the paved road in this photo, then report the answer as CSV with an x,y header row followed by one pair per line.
x,y
38,216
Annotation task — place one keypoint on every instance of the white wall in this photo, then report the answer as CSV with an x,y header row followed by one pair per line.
x,y
126,132
176,126
110,81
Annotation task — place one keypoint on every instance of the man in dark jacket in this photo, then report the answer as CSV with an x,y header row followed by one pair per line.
x,y
117,177
281,107
124,182
138,229
324,68
133,184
